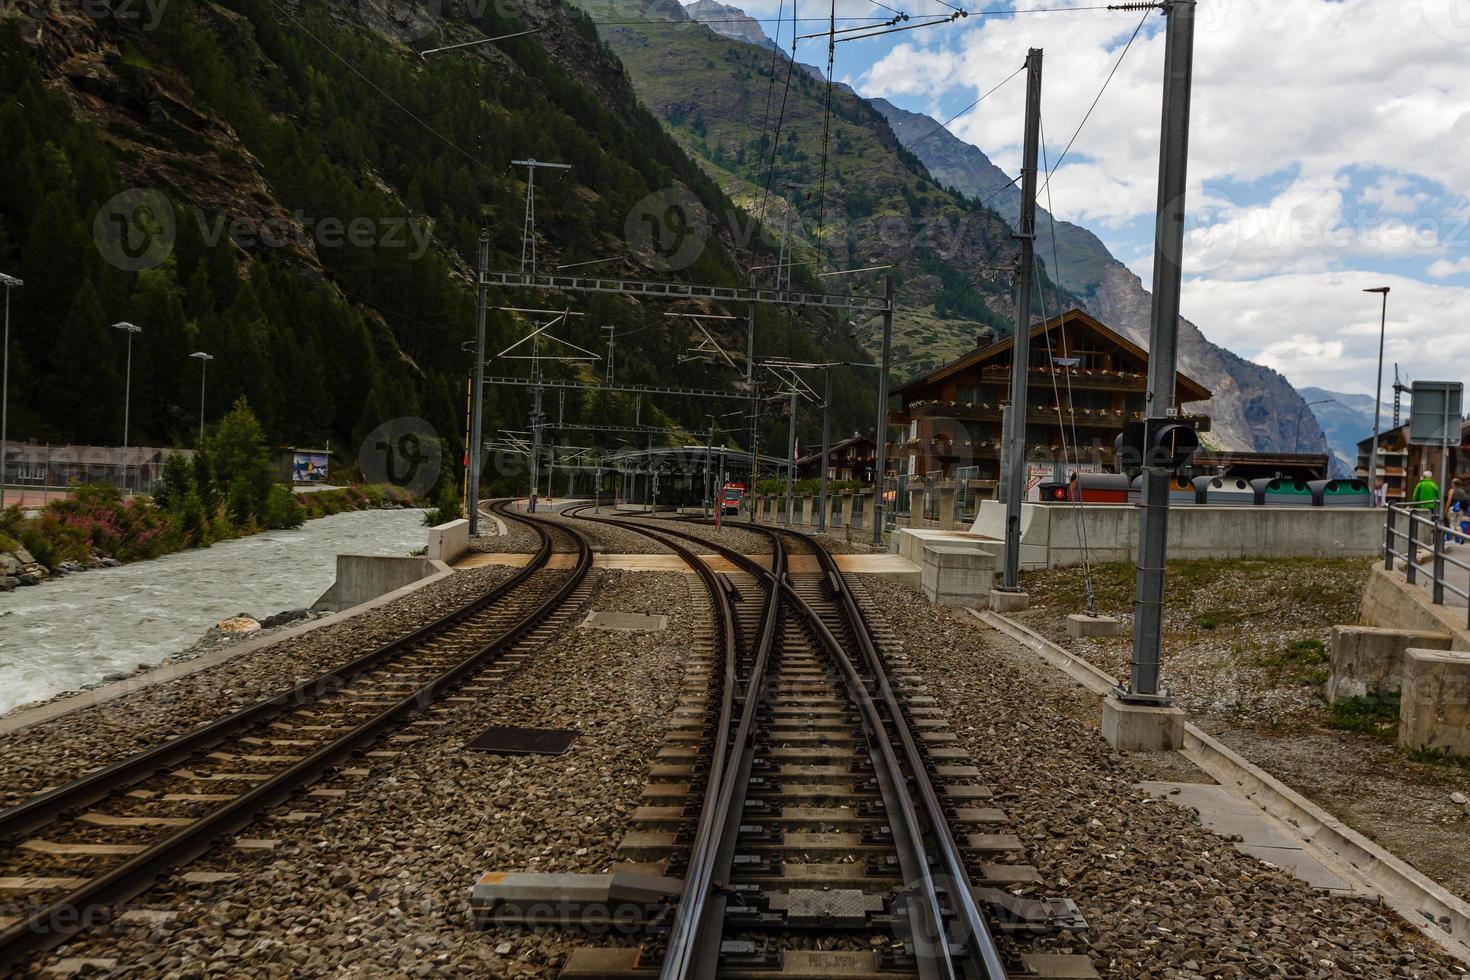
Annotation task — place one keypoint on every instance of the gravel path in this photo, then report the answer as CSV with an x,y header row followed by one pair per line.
x,y
67,747
1163,897
376,882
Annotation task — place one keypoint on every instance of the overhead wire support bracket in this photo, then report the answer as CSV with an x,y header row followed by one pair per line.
x,y
679,290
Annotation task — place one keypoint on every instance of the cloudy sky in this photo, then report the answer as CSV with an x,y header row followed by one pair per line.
x,y
1330,151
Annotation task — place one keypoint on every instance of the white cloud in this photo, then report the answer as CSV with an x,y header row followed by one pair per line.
x,y
1444,268
1319,328
1392,194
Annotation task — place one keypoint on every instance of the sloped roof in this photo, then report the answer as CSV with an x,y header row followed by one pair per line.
x,y
1188,389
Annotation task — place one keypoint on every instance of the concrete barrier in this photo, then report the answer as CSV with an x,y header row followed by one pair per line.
x,y
447,542
1390,601
957,575
1052,534
1370,659
361,578
1434,712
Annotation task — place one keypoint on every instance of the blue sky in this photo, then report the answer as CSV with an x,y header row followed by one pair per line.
x,y
1330,151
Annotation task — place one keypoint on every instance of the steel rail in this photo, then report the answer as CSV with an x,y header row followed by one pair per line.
x,y
92,903
45,808
978,937
699,918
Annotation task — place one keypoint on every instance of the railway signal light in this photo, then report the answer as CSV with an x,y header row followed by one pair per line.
x,y
1166,443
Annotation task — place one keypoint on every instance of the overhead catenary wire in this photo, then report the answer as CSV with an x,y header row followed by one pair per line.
x,y
945,124
1089,587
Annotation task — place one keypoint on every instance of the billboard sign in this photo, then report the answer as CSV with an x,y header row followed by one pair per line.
x,y
1434,414
308,467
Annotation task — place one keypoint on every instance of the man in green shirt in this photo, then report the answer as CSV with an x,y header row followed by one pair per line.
x,y
1426,494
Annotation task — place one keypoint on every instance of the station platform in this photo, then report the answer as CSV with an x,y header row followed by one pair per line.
x,y
888,566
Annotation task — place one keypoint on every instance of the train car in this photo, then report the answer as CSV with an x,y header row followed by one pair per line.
x,y
732,496
1282,492
1228,491
1181,491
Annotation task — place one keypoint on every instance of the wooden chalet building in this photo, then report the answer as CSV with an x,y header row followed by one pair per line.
x,y
951,417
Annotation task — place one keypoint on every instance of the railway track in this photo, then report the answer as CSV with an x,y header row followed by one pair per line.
x,y
808,805
71,856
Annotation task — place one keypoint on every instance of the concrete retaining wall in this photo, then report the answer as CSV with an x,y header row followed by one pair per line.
x,y
448,541
1055,532
1370,659
1393,603
361,578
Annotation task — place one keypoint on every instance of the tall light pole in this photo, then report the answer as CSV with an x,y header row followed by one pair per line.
x,y
1378,396
9,282
127,392
1296,439
204,360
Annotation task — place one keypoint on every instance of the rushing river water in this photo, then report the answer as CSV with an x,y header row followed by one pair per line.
x,y
66,634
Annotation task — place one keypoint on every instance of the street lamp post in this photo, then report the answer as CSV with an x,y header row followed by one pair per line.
x,y
9,282
204,360
1297,438
131,329
1378,396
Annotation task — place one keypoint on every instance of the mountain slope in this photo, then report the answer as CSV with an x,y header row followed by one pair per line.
x,y
728,102
1345,419
316,191
1253,406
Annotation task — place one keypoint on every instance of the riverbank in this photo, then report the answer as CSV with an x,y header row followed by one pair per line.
x,y
79,629
99,528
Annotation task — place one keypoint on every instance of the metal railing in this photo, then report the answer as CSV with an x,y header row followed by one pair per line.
x,y
1419,529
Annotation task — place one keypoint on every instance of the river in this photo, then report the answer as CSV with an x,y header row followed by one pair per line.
x,y
74,631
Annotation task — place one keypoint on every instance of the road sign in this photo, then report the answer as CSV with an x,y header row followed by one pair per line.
x,y
1434,415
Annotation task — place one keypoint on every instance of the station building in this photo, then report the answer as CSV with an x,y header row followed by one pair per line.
x,y
951,418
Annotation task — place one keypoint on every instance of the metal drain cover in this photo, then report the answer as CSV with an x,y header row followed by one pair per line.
x,y
524,741
628,622
824,906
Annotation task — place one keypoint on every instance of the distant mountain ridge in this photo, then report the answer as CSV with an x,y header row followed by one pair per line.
x,y
1347,420
1253,408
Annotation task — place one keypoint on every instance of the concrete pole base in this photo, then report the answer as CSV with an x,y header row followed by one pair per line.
x,y
1081,624
1142,727
1004,602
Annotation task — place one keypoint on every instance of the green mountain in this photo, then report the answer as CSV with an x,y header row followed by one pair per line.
x,y
757,124
1253,407
291,188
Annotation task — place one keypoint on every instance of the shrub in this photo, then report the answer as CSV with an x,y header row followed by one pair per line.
x,y
1370,715
282,509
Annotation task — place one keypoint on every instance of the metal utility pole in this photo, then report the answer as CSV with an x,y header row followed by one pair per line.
x,y
612,331
528,231
755,412
9,282
131,329
790,455
1015,435
1378,399
826,448
204,360
535,438
1153,525
477,397
879,431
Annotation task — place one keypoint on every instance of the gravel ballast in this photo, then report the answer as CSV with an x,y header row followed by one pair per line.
x,y
375,881
63,749
1163,896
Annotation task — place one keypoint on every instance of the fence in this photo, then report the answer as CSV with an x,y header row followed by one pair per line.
x,y
1421,529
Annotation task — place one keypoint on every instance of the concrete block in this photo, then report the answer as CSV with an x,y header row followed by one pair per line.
x,y
1081,624
1142,727
957,575
449,541
1004,602
1434,712
1369,659
361,578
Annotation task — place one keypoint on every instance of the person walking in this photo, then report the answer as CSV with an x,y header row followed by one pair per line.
x,y
1427,506
1458,514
